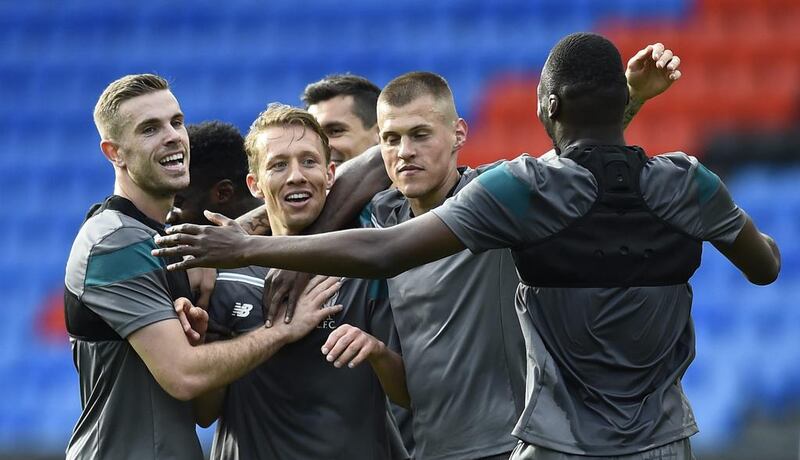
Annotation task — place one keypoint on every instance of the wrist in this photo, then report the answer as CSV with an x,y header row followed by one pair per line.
x,y
635,97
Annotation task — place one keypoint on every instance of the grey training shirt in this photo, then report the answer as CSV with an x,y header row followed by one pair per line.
x,y
296,404
604,364
462,345
125,412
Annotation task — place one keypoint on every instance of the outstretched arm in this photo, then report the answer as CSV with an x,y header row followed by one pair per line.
x,y
361,253
754,253
650,72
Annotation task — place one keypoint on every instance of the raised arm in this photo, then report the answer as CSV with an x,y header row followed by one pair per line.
x,y
361,253
754,253
650,72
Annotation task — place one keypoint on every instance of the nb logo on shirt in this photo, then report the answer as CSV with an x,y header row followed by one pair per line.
x,y
242,310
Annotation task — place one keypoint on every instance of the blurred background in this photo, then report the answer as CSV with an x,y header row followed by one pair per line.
x,y
737,108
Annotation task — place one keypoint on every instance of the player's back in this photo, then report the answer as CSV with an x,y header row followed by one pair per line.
x,y
607,345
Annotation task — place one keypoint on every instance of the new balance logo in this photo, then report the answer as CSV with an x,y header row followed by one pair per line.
x,y
242,310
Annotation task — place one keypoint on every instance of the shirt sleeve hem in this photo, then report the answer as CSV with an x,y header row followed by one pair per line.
x,y
452,223
145,320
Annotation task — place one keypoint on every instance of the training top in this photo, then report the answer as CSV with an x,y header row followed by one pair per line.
x,y
604,363
296,404
462,345
114,287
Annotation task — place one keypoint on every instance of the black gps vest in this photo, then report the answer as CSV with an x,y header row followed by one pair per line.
x,y
620,242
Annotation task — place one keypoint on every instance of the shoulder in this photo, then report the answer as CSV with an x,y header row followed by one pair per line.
x,y
548,175
680,172
108,246
385,208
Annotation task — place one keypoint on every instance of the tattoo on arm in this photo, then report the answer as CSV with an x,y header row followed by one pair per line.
x,y
633,107
255,222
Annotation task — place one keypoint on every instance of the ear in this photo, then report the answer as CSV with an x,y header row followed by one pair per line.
x,y
376,135
252,184
330,175
223,191
553,106
461,134
111,152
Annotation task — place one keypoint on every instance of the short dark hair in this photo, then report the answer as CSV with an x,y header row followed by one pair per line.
x,y
410,86
106,111
587,68
217,153
364,92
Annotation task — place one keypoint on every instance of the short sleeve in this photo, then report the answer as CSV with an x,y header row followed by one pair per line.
x,y
124,284
517,203
688,195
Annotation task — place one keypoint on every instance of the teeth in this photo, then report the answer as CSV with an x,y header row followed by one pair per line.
x,y
298,196
173,157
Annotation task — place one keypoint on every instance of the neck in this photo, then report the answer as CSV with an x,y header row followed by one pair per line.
x,y
570,137
154,207
435,197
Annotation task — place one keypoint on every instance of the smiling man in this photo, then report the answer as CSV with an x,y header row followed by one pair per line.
x,y
136,368
298,404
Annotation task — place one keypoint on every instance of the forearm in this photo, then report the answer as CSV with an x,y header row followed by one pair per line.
x,y
213,366
358,180
208,406
353,253
255,222
391,372
631,109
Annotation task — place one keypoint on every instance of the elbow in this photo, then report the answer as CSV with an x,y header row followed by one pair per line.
x,y
384,267
183,388
767,276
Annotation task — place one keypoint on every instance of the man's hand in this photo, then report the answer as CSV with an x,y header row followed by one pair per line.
x,y
651,71
206,246
309,312
350,345
194,320
282,288
202,282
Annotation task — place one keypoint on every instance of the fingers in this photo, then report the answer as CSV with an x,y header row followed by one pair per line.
x,y
675,75
638,60
673,63
346,346
217,218
185,264
657,51
664,59
277,295
314,282
320,315
295,290
189,229
324,291
182,306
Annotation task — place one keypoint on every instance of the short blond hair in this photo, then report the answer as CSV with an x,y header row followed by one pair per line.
x,y
106,112
281,115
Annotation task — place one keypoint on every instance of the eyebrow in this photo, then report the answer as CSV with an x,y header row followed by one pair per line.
x,y
154,120
412,129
